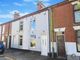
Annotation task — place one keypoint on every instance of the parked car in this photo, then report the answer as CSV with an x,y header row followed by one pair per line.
x,y
2,47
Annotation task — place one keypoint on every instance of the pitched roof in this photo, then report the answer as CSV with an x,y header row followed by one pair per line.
x,y
33,13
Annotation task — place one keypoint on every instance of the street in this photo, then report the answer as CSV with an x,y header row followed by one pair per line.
x,y
22,55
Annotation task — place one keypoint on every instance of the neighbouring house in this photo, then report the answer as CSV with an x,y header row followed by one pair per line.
x,y
66,18
5,33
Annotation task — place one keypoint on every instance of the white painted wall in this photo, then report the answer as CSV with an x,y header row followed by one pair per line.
x,y
41,25
76,27
15,34
71,48
26,33
59,29
0,30
55,47
3,30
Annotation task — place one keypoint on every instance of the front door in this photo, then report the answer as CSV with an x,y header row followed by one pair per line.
x,y
9,42
60,45
44,50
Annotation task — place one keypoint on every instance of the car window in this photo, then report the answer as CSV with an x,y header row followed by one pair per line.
x,y
1,42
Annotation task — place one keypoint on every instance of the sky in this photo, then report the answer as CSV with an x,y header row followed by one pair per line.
x,y
8,7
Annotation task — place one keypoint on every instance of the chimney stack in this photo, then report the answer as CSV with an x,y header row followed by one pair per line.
x,y
16,15
40,5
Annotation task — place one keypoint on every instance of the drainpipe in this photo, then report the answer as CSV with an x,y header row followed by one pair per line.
x,y
50,21
8,35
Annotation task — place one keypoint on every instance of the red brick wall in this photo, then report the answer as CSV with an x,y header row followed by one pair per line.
x,y
7,30
63,17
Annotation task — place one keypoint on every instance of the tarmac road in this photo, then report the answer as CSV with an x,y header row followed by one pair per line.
x,y
22,55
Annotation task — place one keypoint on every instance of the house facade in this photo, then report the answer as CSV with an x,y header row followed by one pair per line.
x,y
66,34
5,32
27,32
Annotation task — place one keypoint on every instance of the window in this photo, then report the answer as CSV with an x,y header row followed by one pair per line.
x,y
33,43
77,16
20,40
21,26
78,40
33,24
77,13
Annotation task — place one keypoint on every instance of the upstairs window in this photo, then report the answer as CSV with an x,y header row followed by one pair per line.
x,y
33,25
21,26
77,13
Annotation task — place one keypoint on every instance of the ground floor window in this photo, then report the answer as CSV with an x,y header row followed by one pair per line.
x,y
78,39
33,43
20,39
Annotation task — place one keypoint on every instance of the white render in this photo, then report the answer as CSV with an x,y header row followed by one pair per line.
x,y
71,48
14,34
0,30
76,27
75,2
42,25
59,29
26,33
3,30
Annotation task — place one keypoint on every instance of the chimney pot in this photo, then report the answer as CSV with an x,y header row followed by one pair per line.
x,y
16,15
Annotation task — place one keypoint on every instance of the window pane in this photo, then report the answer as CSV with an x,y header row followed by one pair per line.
x,y
77,6
20,40
21,26
78,33
33,43
77,16
33,24
78,47
78,40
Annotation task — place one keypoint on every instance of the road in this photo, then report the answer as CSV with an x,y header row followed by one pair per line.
x,y
22,55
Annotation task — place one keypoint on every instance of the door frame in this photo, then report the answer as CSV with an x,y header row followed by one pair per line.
x,y
45,43
8,43
62,33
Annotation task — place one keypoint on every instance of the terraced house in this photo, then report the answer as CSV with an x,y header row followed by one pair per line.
x,y
51,31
